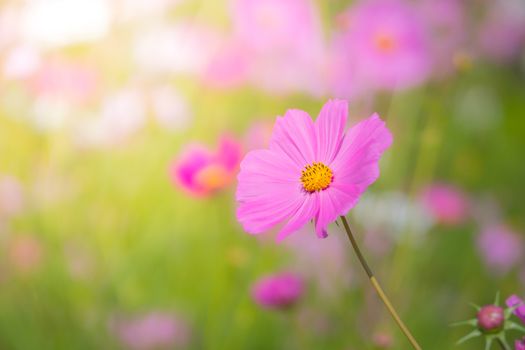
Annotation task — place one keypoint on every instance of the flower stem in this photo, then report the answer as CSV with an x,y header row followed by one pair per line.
x,y
377,286
503,345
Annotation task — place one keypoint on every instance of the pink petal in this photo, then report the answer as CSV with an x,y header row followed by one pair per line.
x,y
334,202
305,213
294,135
268,191
183,170
229,153
357,161
329,128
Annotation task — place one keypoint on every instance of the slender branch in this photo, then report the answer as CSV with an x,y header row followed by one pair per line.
x,y
377,286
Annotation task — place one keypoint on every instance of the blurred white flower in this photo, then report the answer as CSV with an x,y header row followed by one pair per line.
x,y
21,61
50,113
122,114
170,108
393,213
63,22
181,48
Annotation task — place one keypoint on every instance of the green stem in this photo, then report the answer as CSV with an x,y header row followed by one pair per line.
x,y
503,344
378,288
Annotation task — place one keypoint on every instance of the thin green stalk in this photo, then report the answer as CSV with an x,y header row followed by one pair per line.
x,y
378,288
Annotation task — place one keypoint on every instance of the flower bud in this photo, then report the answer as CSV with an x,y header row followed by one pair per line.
x,y
491,318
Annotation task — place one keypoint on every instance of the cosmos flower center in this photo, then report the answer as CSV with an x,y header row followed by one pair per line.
x,y
385,42
316,177
212,177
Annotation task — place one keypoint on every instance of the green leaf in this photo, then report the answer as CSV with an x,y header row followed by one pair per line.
x,y
473,334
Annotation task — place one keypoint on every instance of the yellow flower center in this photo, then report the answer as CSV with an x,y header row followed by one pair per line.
x,y
213,177
316,177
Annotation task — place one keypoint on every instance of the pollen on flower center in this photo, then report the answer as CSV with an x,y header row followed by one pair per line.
x,y
316,177
385,43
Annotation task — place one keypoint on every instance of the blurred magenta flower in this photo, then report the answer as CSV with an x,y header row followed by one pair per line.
x,y
310,171
520,344
25,253
11,196
151,331
202,172
279,291
446,203
515,301
490,318
384,45
500,247
502,35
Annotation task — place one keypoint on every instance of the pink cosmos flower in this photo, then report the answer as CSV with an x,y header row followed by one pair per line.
x,y
514,300
202,172
500,247
384,44
278,291
155,330
520,344
11,196
310,171
446,203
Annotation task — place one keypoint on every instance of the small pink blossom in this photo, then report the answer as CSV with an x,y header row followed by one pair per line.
x,y
500,247
446,203
311,171
383,45
154,330
514,301
228,67
278,291
201,172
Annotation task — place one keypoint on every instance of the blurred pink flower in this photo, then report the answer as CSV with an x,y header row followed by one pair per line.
x,y
520,344
258,135
502,35
11,196
447,24
500,247
513,301
310,171
383,45
446,203
71,81
154,330
279,291
25,253
202,172
228,67
281,36
383,340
